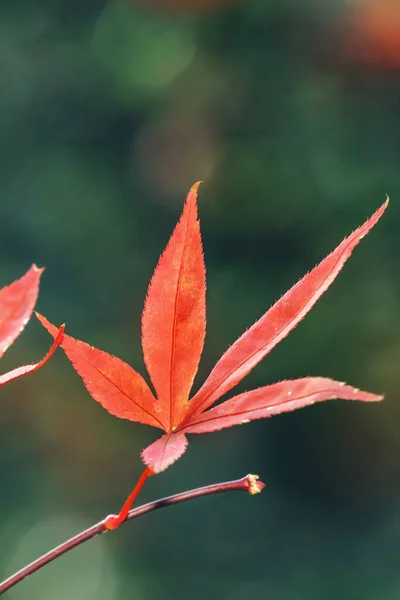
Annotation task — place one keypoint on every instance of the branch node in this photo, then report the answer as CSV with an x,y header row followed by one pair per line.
x,y
111,522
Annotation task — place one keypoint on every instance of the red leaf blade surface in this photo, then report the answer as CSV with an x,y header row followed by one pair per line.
x,y
21,371
277,322
165,451
274,399
17,302
174,316
112,382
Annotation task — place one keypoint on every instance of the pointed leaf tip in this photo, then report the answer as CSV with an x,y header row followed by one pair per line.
x,y
195,187
37,269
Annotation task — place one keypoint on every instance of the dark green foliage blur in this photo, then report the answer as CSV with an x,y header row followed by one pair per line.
x,y
109,111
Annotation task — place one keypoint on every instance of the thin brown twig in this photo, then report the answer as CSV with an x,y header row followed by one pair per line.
x,y
249,483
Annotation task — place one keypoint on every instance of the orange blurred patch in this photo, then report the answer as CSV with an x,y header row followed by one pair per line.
x,y
373,33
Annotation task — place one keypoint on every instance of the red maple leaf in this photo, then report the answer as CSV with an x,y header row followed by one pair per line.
x,y
17,302
173,331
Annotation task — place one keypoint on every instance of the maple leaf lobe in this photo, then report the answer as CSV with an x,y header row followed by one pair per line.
x,y
165,451
270,400
174,319
17,301
109,380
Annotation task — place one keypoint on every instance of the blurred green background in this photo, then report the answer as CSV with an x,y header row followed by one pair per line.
x,y
289,112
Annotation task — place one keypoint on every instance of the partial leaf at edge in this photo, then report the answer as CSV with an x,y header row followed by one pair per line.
x,y
277,322
109,380
274,399
17,302
21,371
174,315
165,451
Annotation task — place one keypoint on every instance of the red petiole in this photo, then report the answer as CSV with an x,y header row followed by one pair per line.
x,y
114,521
